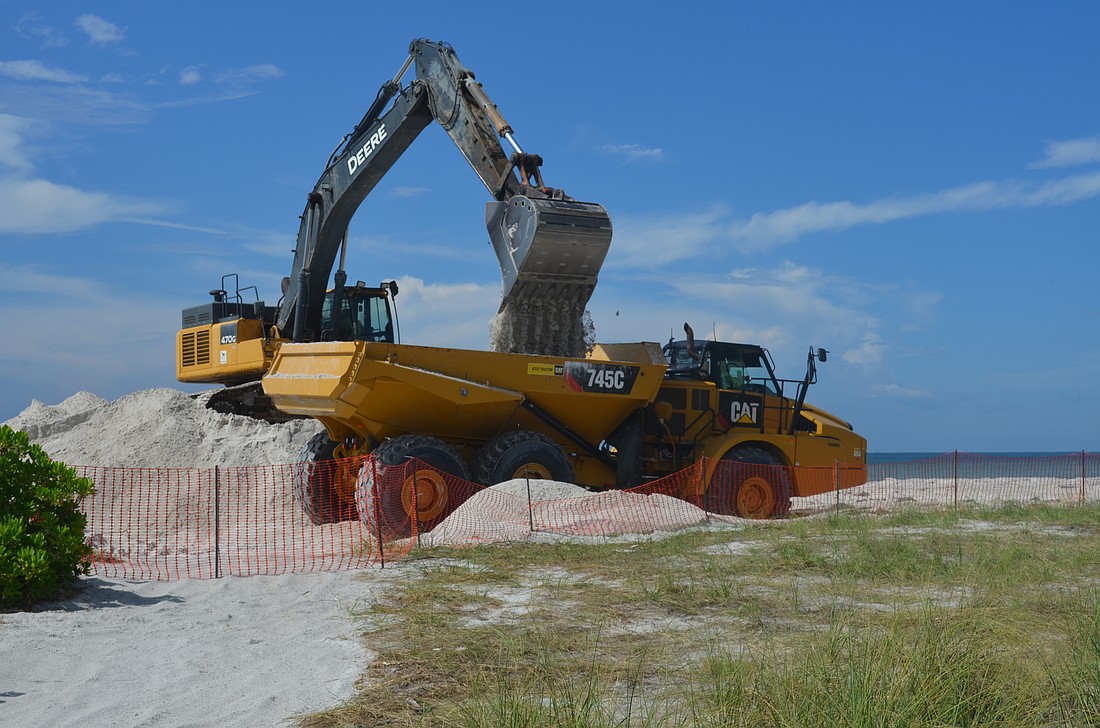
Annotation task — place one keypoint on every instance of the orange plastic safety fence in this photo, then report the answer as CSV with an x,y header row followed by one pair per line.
x,y
151,523
958,479
169,523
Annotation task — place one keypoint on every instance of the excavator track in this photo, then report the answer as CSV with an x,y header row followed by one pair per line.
x,y
246,400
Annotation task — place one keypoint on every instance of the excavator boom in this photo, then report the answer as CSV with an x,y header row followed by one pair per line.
x,y
550,247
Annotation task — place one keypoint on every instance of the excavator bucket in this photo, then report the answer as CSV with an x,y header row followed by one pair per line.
x,y
548,248
550,254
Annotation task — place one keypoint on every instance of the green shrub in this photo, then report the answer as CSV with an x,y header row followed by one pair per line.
x,y
42,546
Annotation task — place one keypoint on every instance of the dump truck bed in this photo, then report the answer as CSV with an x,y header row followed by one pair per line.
x,y
381,390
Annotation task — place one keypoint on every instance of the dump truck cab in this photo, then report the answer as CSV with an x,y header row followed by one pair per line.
x,y
723,402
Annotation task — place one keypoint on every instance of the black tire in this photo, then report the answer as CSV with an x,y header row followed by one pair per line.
x,y
518,454
741,490
313,483
388,508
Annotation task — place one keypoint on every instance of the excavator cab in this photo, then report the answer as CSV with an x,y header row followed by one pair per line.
x,y
357,313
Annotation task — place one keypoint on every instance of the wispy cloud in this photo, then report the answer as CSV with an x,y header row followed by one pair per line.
x,y
30,280
869,351
1069,152
898,391
99,30
190,76
631,152
167,223
37,71
12,129
41,206
32,27
650,242
443,314
764,230
249,74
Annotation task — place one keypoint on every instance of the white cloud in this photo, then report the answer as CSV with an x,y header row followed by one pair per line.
x,y
897,391
105,349
631,152
37,71
764,230
869,351
445,314
100,30
30,26
29,280
656,241
251,73
190,76
11,142
1069,152
41,206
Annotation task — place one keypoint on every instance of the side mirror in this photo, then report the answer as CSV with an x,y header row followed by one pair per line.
x,y
392,286
822,355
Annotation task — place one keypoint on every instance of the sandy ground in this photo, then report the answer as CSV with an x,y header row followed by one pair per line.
x,y
255,651
249,651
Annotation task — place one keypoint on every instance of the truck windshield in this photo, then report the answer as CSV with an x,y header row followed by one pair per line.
x,y
357,316
751,373
738,367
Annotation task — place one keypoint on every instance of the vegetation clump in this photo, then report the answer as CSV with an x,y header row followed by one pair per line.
x,y
42,546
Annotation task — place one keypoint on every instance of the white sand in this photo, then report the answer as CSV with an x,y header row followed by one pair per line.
x,y
254,651
228,652
157,428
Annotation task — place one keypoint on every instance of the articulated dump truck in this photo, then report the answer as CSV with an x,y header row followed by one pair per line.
x,y
622,416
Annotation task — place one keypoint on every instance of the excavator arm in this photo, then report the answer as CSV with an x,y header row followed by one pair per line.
x,y
550,247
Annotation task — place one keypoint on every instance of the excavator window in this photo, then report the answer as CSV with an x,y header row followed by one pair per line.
x,y
357,315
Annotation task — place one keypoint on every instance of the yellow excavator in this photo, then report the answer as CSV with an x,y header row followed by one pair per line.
x,y
550,247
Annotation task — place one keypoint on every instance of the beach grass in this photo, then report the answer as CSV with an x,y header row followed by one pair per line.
x,y
986,616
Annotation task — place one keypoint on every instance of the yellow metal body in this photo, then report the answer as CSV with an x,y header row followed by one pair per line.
x,y
226,352
366,392
372,391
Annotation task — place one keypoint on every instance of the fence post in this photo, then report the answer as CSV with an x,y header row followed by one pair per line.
x,y
530,507
1081,496
377,511
836,483
414,517
955,480
217,526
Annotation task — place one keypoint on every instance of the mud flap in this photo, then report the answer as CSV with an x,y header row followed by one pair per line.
x,y
548,249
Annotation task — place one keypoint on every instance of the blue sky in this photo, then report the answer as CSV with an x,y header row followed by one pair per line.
x,y
915,188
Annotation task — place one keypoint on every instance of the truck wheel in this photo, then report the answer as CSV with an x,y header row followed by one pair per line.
x,y
389,507
520,454
313,477
750,492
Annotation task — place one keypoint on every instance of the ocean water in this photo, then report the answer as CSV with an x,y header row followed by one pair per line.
x,y
898,457
904,465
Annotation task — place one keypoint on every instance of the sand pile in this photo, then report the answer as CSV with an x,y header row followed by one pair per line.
x,y
509,512
157,428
